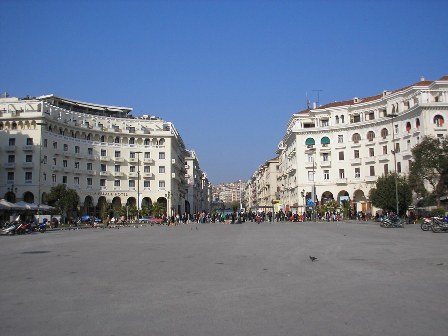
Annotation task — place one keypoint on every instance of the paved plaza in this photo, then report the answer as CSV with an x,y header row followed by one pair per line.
x,y
216,279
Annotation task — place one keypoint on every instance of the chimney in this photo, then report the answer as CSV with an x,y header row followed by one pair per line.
x,y
422,78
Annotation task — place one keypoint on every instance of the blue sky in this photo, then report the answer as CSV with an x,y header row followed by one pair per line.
x,y
228,74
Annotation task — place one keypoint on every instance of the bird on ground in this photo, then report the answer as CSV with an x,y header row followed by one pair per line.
x,y
313,259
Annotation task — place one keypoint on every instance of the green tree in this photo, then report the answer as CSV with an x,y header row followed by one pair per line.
x,y
64,199
429,169
384,196
157,209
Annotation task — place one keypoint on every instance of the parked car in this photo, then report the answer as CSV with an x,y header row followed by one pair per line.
x,y
144,219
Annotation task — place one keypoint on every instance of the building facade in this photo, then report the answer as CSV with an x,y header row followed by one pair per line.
x,y
337,151
102,152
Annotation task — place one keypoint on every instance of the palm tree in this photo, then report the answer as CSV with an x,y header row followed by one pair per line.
x,y
157,209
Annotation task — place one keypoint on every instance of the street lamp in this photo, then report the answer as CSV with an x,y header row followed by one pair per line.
x,y
168,210
241,202
138,185
39,200
394,152
304,205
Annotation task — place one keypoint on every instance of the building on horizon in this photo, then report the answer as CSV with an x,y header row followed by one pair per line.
x,y
102,152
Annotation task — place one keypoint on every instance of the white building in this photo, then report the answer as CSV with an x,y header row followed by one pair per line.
x,y
199,191
340,149
101,151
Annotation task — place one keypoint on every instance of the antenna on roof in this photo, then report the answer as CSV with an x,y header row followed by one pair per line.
x,y
307,100
318,95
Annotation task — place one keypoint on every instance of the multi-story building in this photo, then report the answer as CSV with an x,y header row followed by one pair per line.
x,y
199,192
337,151
261,190
102,152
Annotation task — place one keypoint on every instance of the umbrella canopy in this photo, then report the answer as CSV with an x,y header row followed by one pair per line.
x,y
5,205
27,206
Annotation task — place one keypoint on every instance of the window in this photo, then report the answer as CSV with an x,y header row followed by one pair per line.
x,y
325,157
103,152
398,167
12,141
324,123
116,183
386,169
396,129
342,119
131,184
370,135
89,166
356,153
147,155
132,169
341,173
89,181
117,139
310,158
132,155
77,149
341,156
408,127
29,141
397,148
11,158
340,138
10,176
131,140
28,176
162,169
77,164
438,120
408,144
147,169
326,175
161,184
76,181
356,138
337,119
90,151
117,168
372,170
357,172
146,142
384,150
53,178
65,147
310,176
103,138
55,145
54,162
103,167
117,154
29,158
371,152
45,143
102,182
65,163
162,155
64,179
384,133
146,184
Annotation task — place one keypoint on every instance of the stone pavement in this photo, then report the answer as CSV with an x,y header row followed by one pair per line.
x,y
215,279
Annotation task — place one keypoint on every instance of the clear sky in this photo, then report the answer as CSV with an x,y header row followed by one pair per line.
x,y
229,74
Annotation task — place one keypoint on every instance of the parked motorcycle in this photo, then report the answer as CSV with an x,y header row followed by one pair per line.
x,y
426,224
439,224
10,228
23,228
392,222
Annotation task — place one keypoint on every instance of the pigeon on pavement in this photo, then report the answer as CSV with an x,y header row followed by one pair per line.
x,y
313,259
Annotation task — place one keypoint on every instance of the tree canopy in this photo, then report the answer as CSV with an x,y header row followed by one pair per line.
x,y
384,196
428,174
64,199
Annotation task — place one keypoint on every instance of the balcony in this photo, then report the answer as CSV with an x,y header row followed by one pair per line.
x,y
28,148
355,162
148,160
119,174
133,159
104,158
341,181
370,179
9,165
325,164
148,175
91,172
383,158
10,148
370,159
133,174
27,165
119,159
104,173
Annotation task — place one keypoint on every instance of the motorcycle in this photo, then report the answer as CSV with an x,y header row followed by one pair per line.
x,y
23,228
41,227
10,229
392,222
439,224
426,224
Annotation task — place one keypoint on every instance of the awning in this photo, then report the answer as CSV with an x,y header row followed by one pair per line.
x,y
310,142
325,141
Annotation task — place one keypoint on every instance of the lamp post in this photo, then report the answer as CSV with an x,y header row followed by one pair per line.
x,y
138,185
168,212
394,152
241,201
39,200
302,193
